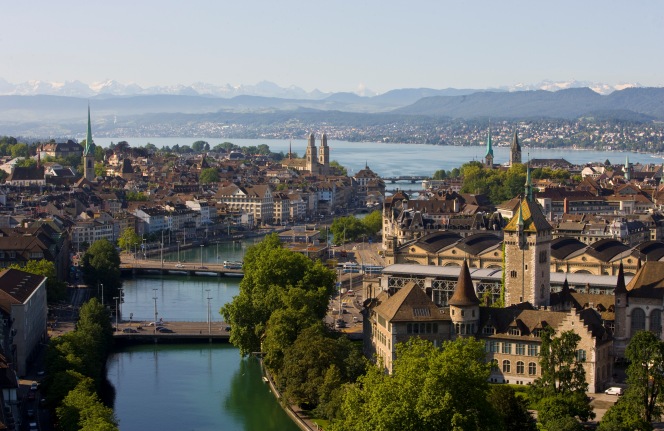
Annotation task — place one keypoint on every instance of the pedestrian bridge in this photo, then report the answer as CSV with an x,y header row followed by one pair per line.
x,y
139,266
179,333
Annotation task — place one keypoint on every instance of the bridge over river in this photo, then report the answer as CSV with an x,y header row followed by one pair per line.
x,y
179,332
137,266
406,178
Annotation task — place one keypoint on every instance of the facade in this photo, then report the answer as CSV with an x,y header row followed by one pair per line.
x,y
256,200
24,313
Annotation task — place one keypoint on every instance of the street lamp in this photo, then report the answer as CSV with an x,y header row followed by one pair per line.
x,y
209,313
202,255
155,310
178,251
116,312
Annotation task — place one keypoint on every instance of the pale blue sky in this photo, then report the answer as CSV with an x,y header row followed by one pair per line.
x,y
334,45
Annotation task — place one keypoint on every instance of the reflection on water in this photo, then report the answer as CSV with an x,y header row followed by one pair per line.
x,y
192,387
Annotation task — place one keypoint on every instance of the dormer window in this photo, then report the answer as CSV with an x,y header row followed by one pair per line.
x,y
514,331
488,330
537,333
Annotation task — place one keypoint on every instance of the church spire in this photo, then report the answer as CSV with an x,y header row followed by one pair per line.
x,y
489,147
515,150
620,285
89,145
627,173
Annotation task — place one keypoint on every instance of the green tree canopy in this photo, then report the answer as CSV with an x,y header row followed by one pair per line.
x,y
209,175
101,264
348,228
373,223
270,271
429,388
336,165
512,410
128,239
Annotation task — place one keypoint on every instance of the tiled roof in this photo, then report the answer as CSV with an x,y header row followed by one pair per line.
x,y
16,287
410,304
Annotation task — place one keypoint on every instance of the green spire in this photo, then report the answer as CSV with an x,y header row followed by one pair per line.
x,y
529,188
489,148
89,145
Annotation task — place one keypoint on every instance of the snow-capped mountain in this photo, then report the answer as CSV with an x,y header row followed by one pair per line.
x,y
110,88
564,85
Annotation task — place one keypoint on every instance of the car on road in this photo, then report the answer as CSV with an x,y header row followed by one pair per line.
x,y
202,267
129,331
614,390
164,330
33,426
155,324
179,265
340,324
34,386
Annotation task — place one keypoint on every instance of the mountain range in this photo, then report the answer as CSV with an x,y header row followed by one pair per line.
x,y
32,114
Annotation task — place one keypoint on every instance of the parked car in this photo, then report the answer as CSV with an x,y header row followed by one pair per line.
x,y
179,265
34,386
164,330
129,331
614,390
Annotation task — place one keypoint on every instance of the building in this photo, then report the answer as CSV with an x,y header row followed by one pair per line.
x,y
515,150
89,153
24,312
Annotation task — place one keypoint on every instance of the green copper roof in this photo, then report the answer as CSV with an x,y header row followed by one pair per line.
x,y
89,144
489,148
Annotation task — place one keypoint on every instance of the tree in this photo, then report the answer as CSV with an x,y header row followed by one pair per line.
x,y
560,392
373,223
209,175
55,289
101,264
128,239
336,165
429,388
269,272
512,409
440,174
624,416
200,146
20,150
645,375
347,228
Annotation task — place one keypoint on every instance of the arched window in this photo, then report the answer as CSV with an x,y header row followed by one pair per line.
x,y
519,367
506,366
638,320
656,321
532,368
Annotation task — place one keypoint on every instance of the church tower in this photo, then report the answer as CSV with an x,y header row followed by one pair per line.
x,y
310,156
464,305
89,153
324,155
515,150
628,175
527,254
488,157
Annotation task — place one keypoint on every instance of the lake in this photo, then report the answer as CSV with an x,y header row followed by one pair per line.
x,y
389,160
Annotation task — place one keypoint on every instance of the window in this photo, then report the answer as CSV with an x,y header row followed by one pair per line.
x,y
519,367
581,355
494,347
638,320
514,331
532,368
520,349
409,328
532,349
513,273
506,366
488,330
507,348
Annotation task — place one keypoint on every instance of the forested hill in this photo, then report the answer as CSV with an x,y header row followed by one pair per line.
x,y
629,104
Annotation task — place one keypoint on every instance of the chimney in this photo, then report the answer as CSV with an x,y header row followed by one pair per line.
x,y
565,206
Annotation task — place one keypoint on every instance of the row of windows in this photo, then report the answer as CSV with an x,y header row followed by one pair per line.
x,y
490,330
638,321
520,367
506,348
422,328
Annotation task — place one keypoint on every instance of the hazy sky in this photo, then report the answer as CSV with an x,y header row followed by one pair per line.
x,y
334,45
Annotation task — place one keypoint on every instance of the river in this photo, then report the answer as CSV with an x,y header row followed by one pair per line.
x,y
389,160
189,387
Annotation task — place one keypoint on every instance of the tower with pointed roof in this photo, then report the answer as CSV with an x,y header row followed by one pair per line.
x,y
324,154
89,153
628,175
488,157
620,331
515,150
310,154
464,305
527,246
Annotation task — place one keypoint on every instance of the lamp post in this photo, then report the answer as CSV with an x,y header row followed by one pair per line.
x,y
202,256
209,313
121,290
116,312
162,249
155,310
178,251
